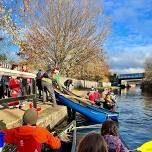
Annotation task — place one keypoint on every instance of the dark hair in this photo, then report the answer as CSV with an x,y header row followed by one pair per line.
x,y
14,66
109,127
92,142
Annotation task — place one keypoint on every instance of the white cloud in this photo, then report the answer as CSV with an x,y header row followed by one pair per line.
x,y
129,59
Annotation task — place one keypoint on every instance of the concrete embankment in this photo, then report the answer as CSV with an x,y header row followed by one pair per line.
x,y
48,116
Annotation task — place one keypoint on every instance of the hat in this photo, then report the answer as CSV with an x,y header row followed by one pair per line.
x,y
30,116
56,70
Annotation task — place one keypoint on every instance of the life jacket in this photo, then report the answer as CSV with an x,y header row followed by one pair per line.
x,y
29,138
14,84
92,96
26,143
15,91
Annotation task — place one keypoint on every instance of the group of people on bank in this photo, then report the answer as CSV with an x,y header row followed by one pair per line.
x,y
31,138
12,86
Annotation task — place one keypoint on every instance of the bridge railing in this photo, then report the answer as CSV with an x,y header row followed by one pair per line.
x,y
131,76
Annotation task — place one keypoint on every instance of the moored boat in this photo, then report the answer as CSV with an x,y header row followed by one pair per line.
x,y
112,114
94,114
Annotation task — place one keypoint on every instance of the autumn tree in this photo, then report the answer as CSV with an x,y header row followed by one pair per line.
x,y
62,33
148,69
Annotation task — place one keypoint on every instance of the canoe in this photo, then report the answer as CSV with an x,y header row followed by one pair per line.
x,y
112,115
93,114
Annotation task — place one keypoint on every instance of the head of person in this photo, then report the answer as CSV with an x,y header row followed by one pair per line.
x,y
71,81
56,70
24,68
109,127
105,89
30,117
92,142
110,89
14,67
92,89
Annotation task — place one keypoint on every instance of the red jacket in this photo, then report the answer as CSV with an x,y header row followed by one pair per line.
x,y
40,135
14,84
92,96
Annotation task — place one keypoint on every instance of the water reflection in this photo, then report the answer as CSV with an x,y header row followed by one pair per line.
x,y
135,116
135,119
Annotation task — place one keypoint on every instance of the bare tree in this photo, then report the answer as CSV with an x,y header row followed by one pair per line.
x,y
62,33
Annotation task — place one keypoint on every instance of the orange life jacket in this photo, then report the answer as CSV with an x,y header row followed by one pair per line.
x,y
32,135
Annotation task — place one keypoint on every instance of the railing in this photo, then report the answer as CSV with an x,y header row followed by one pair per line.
x,y
33,96
131,76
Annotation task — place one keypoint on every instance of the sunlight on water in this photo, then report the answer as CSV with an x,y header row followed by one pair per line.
x,y
135,117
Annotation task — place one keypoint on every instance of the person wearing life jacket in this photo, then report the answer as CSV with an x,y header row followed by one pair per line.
x,y
29,137
47,86
92,95
109,103
104,93
15,89
56,77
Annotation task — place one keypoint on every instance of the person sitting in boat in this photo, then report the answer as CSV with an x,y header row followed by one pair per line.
x,y
30,137
110,133
92,142
104,93
113,97
91,95
109,103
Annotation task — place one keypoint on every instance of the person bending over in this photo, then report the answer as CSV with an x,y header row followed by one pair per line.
x,y
47,86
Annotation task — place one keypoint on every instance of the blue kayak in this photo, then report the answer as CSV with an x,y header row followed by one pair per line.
x,y
92,113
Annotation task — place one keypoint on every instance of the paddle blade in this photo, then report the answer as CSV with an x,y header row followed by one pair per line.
x,y
146,147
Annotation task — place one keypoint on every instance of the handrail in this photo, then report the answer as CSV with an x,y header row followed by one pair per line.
x,y
8,72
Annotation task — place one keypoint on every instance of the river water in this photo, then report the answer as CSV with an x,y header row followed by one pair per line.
x,y
135,121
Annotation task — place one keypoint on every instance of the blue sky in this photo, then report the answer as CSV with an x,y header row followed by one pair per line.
x,y
130,40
